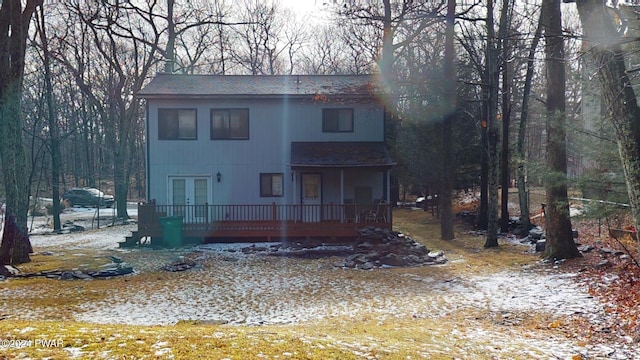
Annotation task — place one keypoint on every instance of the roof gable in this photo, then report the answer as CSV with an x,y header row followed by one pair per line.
x,y
206,86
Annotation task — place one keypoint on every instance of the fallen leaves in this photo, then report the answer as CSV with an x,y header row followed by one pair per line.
x,y
615,285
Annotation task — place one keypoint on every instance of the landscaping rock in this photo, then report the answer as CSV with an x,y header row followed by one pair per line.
x,y
419,249
82,276
113,270
115,259
377,247
365,246
180,265
67,275
8,270
69,226
536,233
586,248
393,260
253,249
358,258
366,266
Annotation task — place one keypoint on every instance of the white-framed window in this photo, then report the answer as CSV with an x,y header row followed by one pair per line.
x,y
177,124
271,185
229,124
337,120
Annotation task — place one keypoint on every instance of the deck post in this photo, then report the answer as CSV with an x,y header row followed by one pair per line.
x,y
274,212
207,221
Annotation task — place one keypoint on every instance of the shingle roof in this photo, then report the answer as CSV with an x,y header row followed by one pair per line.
x,y
165,85
340,154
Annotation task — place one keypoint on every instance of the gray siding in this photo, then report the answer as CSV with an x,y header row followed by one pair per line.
x,y
273,125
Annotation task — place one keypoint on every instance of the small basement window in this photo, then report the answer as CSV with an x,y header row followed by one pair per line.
x,y
177,124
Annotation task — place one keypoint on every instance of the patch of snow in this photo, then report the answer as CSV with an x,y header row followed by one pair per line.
x,y
26,330
575,212
102,239
532,291
74,352
238,288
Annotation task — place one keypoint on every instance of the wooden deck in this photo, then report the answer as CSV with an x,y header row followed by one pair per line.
x,y
211,223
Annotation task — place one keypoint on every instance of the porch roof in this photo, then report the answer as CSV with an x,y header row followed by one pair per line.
x,y
340,154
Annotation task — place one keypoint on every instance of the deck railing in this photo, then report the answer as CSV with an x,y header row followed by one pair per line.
x,y
201,214
273,219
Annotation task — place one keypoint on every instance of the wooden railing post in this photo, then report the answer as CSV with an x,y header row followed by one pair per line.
x,y
331,218
274,213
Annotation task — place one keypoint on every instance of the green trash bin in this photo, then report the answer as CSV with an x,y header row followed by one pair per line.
x,y
171,231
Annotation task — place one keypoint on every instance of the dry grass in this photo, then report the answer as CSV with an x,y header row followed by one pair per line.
x,y
443,338
440,333
466,252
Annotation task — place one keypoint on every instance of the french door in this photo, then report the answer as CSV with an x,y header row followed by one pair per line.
x,y
190,190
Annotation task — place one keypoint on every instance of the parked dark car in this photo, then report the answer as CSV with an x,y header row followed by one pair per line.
x,y
423,201
87,197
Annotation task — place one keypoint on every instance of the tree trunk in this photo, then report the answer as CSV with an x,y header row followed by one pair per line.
x,y
448,166
170,57
523,194
559,244
483,212
492,130
619,96
121,179
15,246
506,116
54,141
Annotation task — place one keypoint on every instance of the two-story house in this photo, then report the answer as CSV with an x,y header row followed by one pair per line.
x,y
265,156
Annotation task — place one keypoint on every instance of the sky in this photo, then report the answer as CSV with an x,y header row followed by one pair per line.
x,y
303,7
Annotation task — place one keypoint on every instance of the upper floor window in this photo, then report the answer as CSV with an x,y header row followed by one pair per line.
x,y
337,120
229,124
177,124
271,184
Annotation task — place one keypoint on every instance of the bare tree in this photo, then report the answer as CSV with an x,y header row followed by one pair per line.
x,y
559,244
127,40
522,128
492,128
51,115
15,20
446,221
260,38
506,17
604,44
324,55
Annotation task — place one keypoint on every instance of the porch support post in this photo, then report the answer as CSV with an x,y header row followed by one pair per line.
x,y
387,174
342,186
294,187
342,193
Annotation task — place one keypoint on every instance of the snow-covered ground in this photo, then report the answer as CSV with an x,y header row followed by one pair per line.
x,y
86,217
230,286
